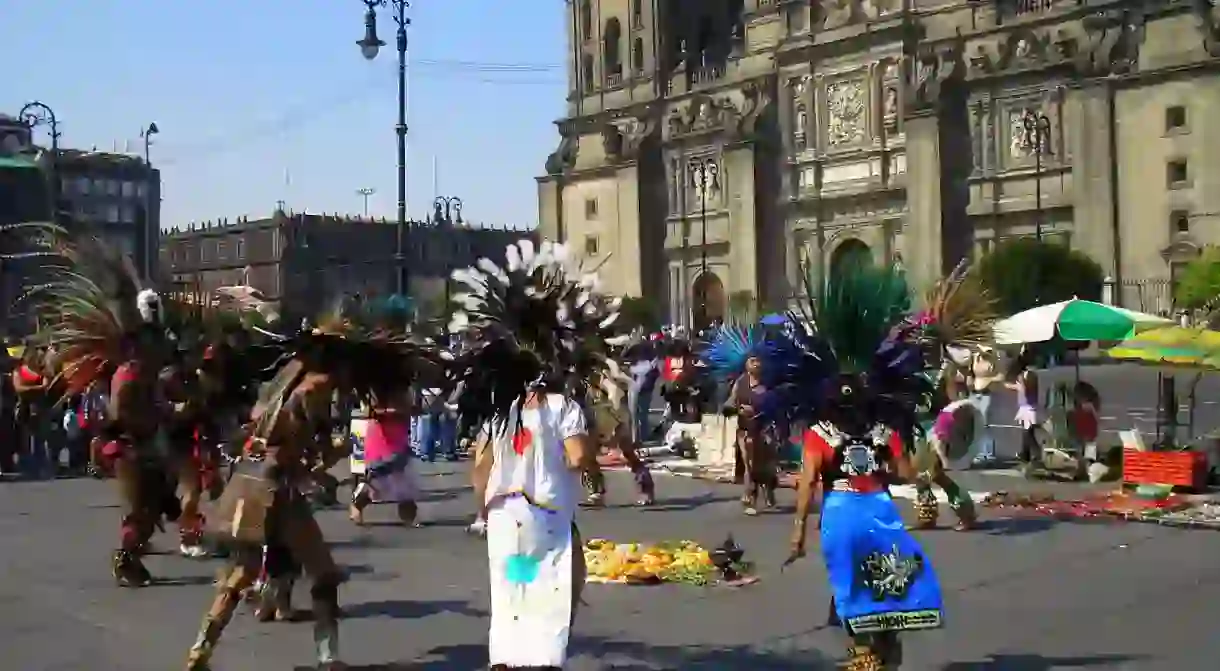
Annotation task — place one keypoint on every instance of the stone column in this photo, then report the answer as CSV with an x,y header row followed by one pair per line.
x,y
924,236
550,209
627,231
1087,117
737,175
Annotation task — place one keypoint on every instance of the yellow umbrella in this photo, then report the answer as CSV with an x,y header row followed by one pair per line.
x,y
1171,345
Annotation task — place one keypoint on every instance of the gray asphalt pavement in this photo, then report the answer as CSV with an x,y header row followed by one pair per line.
x,y
1022,594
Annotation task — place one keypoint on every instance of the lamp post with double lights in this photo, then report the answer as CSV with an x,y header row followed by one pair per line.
x,y
1037,137
446,213
370,45
705,174
36,114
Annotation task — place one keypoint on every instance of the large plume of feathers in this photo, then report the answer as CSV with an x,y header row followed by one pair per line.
x,y
367,346
843,353
88,300
536,322
958,310
729,348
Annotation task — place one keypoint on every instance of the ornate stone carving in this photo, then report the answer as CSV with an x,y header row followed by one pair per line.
x,y
889,107
846,104
1110,43
564,157
702,114
930,71
1207,13
838,13
622,137
1023,49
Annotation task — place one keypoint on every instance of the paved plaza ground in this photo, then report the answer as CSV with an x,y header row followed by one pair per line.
x,y
1023,594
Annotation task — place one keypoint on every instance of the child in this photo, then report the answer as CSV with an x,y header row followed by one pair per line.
x,y
390,475
1085,417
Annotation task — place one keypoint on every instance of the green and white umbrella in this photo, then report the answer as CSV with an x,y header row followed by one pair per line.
x,y
1073,320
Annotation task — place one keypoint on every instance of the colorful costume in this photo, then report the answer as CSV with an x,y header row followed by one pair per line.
x,y
543,344
264,507
957,320
846,372
104,327
382,435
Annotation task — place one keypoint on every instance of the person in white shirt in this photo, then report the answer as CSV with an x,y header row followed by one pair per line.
x,y
545,333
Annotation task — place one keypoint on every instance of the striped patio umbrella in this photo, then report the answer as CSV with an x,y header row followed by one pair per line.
x,y
1172,345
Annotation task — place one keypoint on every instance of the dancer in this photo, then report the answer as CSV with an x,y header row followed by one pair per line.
x,y
103,326
733,355
263,505
609,424
544,333
957,320
844,369
389,475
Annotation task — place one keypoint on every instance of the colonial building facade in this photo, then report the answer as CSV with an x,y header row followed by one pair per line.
x,y
713,147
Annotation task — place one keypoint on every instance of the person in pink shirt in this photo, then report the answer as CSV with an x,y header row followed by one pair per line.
x,y
389,474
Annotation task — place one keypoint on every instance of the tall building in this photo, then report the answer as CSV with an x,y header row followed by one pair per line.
x,y
713,147
24,196
116,195
305,261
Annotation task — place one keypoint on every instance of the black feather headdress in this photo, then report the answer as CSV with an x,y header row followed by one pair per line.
x,y
538,322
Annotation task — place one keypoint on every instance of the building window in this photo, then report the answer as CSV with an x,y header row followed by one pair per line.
x,y
1175,118
1179,221
239,248
221,250
82,185
112,214
637,14
141,189
591,245
1177,174
129,189
128,214
205,252
637,55
590,208
586,73
612,53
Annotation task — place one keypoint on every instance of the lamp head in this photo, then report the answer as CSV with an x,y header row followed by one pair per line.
x,y
371,44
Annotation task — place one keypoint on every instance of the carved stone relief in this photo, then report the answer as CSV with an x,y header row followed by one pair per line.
x,y
889,107
837,13
622,137
564,157
846,104
1020,143
735,113
929,72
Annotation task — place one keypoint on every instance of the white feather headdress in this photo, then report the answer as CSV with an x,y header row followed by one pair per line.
x,y
538,320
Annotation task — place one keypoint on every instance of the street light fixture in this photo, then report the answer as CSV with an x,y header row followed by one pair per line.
x,y
705,174
370,46
36,114
1038,137
447,211
365,193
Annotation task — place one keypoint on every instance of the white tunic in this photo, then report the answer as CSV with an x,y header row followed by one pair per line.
x,y
532,498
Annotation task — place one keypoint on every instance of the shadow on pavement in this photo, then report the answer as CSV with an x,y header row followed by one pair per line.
x,y
1016,526
1040,663
686,503
403,609
641,657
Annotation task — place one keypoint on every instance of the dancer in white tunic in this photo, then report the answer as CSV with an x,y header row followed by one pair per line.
x,y
536,562
543,333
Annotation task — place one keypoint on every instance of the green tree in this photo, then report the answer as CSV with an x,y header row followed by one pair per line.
x,y
1025,273
1199,283
639,312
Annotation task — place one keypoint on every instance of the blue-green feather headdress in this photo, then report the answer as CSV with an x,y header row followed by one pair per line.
x,y
844,356
729,349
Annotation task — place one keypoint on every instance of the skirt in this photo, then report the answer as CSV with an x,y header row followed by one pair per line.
x,y
880,577
392,482
533,584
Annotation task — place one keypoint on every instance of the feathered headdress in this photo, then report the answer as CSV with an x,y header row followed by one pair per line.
x,y
538,322
89,302
365,341
729,349
958,310
841,355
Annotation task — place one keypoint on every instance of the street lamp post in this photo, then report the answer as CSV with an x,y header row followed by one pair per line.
x,y
1038,137
370,45
705,173
148,234
365,193
40,114
447,211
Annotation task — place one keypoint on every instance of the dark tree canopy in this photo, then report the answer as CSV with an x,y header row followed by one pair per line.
x,y
1026,273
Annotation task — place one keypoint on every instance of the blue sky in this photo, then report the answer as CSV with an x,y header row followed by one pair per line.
x,y
267,100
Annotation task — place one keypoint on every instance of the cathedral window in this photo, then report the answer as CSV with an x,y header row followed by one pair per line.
x,y
637,55
586,73
612,56
586,20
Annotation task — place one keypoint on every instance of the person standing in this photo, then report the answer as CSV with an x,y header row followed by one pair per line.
x,y
524,386
645,372
983,374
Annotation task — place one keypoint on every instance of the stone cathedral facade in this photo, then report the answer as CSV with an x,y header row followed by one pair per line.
x,y
711,148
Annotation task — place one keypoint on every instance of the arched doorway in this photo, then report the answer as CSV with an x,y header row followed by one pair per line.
x,y
708,299
850,252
